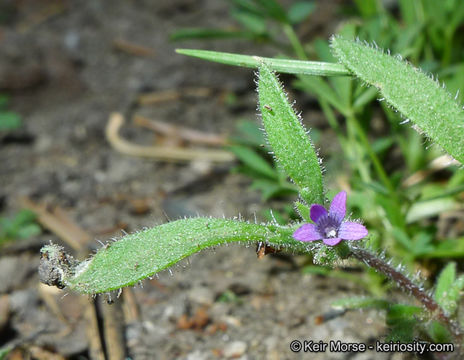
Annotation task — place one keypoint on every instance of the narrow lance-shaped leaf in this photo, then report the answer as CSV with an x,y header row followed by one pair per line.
x,y
415,95
291,144
249,157
280,65
142,254
360,303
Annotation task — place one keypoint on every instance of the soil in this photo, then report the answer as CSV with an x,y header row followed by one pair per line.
x,y
64,67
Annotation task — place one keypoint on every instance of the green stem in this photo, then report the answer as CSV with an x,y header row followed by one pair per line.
x,y
373,156
332,120
294,41
448,40
354,148
279,65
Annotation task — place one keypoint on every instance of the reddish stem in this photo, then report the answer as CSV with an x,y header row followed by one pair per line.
x,y
409,286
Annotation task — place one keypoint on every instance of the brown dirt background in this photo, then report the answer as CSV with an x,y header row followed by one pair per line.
x,y
59,63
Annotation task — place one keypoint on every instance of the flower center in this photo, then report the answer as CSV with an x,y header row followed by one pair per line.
x,y
328,226
330,232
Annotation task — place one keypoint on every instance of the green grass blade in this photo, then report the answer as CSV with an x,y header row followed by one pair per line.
x,y
199,33
415,95
4,351
9,121
279,65
142,254
352,303
288,139
254,23
251,158
322,89
299,11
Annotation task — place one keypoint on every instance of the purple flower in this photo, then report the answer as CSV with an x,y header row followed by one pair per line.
x,y
329,226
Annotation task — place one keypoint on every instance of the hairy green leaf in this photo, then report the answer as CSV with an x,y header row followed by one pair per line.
x,y
448,288
144,253
439,333
415,95
303,210
445,280
402,320
291,144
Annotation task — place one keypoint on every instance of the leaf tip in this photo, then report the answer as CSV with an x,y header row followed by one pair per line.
x,y
181,51
55,266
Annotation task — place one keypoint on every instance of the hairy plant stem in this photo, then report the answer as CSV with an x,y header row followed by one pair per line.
x,y
408,286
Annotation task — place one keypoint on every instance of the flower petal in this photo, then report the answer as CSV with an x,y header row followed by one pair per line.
x,y
332,241
352,231
316,212
338,206
308,232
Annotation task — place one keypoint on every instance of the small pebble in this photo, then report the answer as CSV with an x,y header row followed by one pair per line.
x,y
235,349
201,295
196,355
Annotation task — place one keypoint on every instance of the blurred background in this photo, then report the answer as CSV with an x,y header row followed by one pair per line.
x,y
191,145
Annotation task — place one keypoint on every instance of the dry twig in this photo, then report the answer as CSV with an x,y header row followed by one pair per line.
x,y
157,97
132,49
131,308
113,330
59,223
184,133
44,14
440,163
174,154
92,330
